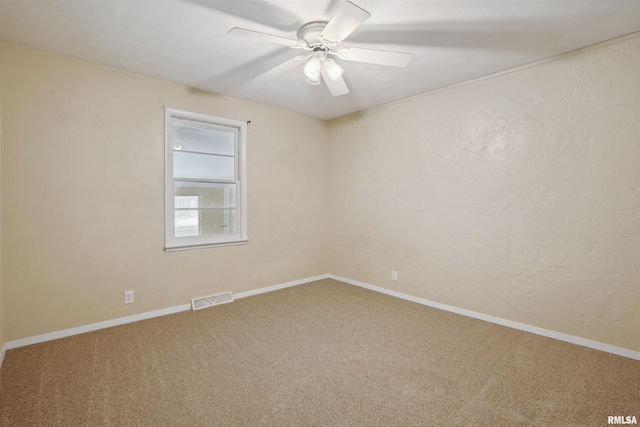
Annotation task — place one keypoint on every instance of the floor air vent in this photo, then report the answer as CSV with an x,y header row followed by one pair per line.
x,y
211,300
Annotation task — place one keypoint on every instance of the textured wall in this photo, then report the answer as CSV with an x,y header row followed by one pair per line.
x,y
516,196
83,195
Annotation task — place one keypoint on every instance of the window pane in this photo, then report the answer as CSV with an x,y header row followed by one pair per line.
x,y
203,139
207,195
219,221
205,222
187,222
187,201
192,165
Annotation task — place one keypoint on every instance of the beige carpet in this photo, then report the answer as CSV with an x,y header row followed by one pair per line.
x,y
320,354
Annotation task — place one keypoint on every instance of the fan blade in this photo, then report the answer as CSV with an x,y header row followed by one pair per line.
x,y
337,87
344,22
282,68
380,57
241,32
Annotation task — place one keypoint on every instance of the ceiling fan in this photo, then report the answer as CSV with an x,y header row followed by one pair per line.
x,y
320,40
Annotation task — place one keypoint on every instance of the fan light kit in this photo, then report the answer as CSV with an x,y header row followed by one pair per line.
x,y
319,39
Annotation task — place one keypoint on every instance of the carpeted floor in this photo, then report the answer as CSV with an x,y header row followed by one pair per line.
x,y
320,354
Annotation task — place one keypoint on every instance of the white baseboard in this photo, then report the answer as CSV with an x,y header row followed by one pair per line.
x,y
509,323
280,286
137,317
2,353
148,315
95,326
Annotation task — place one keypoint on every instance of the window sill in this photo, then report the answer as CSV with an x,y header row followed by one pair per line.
x,y
205,246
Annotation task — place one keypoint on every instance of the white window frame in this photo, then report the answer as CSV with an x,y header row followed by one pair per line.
x,y
240,237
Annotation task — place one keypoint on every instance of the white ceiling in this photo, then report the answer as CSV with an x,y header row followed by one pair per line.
x,y
186,41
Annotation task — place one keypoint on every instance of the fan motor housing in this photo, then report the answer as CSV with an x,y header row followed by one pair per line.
x,y
310,31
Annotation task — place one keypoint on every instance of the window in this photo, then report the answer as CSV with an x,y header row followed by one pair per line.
x,y
205,181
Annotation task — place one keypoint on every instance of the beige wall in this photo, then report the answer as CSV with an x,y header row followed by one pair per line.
x,y
82,169
515,196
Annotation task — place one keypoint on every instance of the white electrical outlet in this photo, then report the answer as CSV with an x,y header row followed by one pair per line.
x,y
128,297
394,275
